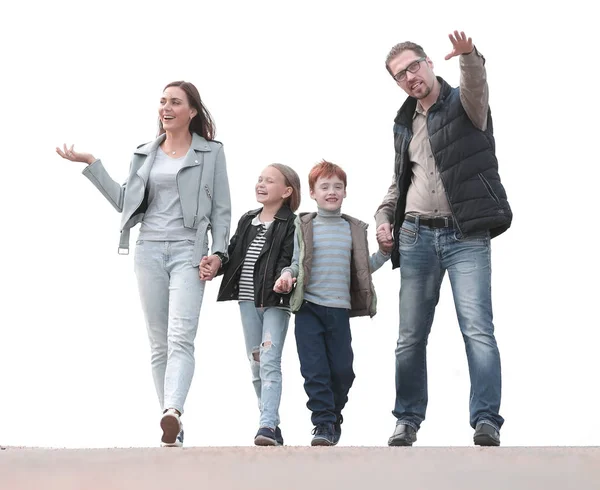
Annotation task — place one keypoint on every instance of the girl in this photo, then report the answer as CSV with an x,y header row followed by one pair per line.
x,y
261,247
177,189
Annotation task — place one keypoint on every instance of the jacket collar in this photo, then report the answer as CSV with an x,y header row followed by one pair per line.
x,y
149,152
406,112
284,213
198,144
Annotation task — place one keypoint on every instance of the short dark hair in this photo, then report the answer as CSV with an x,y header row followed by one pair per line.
x,y
401,47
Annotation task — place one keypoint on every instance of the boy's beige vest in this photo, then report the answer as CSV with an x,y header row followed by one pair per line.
x,y
362,292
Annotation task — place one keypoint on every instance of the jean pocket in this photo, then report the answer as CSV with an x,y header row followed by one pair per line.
x,y
481,237
409,234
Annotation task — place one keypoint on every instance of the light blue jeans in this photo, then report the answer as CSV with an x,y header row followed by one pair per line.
x,y
171,293
425,256
264,332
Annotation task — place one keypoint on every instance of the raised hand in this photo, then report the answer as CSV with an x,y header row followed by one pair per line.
x,y
209,266
75,156
460,44
284,284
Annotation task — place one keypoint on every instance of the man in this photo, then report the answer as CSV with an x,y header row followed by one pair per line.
x,y
445,204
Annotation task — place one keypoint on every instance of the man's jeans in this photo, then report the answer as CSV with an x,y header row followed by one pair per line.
x,y
425,255
324,346
171,292
264,332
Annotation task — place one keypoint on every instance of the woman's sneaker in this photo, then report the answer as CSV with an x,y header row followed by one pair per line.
x,y
178,442
268,437
172,428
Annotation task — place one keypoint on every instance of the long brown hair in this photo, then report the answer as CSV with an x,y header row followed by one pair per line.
x,y
202,123
291,180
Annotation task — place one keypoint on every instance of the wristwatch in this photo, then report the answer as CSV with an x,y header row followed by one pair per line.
x,y
222,257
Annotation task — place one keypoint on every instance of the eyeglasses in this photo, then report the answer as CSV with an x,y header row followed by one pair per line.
x,y
413,68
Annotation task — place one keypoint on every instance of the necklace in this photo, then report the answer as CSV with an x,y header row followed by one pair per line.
x,y
171,150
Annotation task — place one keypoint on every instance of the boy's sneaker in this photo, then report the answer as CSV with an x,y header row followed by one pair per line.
x,y
337,428
170,423
323,435
268,437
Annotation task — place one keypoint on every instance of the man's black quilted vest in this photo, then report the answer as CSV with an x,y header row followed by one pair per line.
x,y
465,158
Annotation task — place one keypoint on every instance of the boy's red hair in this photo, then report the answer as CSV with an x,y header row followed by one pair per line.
x,y
325,169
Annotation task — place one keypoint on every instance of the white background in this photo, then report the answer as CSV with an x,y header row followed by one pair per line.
x,y
291,83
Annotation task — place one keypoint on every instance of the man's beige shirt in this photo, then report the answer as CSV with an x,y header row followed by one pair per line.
x,y
426,194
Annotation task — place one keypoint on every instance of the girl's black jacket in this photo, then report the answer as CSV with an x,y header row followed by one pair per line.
x,y
275,255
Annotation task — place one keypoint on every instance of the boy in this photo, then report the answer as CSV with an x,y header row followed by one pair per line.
x,y
332,269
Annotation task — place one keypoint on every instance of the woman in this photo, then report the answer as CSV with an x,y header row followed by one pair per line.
x,y
177,189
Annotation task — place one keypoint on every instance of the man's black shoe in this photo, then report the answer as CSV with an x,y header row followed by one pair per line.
x,y
404,435
486,435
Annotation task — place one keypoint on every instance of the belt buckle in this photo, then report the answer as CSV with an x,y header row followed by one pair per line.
x,y
445,221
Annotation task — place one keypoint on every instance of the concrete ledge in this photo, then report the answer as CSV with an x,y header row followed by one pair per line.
x,y
291,468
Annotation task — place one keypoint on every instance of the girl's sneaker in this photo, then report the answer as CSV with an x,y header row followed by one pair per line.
x,y
172,429
278,436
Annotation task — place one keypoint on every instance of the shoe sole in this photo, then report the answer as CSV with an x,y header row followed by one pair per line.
x,y
485,440
170,427
399,443
265,441
175,444
321,442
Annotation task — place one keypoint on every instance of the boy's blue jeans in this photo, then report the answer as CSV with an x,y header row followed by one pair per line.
x,y
425,256
324,346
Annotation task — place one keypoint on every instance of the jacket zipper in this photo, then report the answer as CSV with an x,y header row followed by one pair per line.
x,y
396,231
238,267
201,171
262,299
198,200
444,184
234,274
139,202
489,189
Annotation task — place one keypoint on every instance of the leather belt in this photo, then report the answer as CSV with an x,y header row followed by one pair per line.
x,y
433,222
